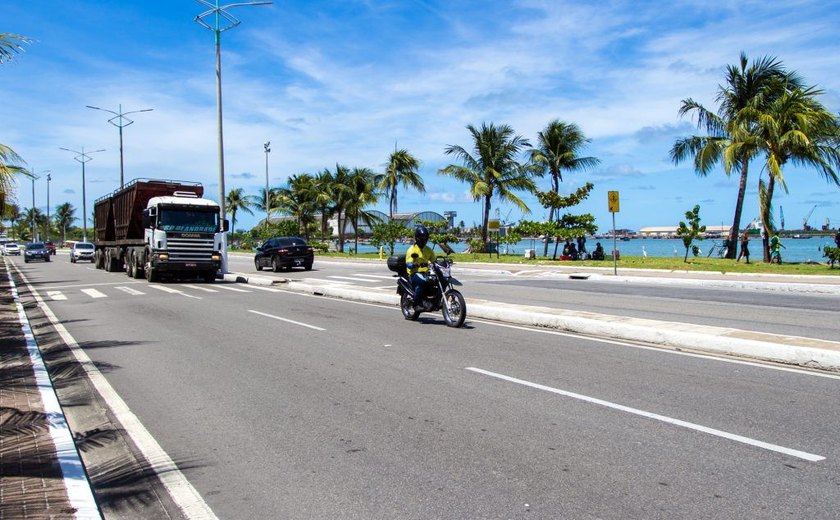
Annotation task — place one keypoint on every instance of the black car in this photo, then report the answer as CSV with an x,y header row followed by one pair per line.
x,y
284,252
36,251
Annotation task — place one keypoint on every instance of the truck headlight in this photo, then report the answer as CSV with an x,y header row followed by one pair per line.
x,y
163,256
216,257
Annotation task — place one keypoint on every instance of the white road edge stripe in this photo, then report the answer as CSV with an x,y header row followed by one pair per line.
x,y
677,422
129,290
286,320
179,488
79,492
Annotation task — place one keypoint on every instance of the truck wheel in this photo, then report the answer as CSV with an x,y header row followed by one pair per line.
x,y
151,275
106,263
210,277
98,259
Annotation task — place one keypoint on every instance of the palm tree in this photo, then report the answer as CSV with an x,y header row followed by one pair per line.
x,y
10,163
342,195
236,201
273,201
11,212
794,128
558,146
362,182
401,170
64,218
323,186
298,199
493,169
747,86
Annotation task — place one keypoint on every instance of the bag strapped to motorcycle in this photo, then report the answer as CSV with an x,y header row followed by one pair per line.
x,y
396,263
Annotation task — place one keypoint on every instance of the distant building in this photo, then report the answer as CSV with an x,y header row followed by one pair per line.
x,y
671,231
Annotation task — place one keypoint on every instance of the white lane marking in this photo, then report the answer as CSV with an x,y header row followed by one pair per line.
x,y
76,483
87,285
199,288
56,295
375,276
129,290
234,289
677,422
286,320
173,291
93,293
182,492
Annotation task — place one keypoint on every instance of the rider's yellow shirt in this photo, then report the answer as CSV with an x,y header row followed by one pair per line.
x,y
425,255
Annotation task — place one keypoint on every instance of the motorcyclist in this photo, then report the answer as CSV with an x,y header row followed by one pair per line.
x,y
417,260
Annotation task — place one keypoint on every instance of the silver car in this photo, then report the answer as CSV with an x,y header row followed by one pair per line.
x,y
82,251
11,248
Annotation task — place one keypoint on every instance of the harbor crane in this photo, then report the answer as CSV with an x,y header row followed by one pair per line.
x,y
805,226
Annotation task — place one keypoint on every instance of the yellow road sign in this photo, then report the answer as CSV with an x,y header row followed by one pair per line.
x,y
493,225
612,199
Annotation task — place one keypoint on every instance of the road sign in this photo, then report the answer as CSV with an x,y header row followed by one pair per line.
x,y
493,224
612,199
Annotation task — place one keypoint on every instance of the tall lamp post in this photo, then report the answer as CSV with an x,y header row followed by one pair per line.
x,y
120,121
49,223
266,145
83,158
33,178
221,21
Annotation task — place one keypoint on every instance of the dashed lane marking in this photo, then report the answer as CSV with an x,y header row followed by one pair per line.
x,y
93,293
56,295
129,290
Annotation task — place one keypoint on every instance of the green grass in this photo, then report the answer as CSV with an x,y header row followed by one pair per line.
x,y
639,262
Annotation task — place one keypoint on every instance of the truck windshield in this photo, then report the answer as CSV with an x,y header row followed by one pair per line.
x,y
188,221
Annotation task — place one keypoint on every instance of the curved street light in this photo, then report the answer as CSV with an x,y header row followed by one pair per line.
x,y
221,21
83,158
120,121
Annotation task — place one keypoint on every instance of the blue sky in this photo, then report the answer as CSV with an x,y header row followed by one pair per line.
x,y
342,81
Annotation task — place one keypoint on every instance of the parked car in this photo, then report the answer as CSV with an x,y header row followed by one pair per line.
x,y
36,251
50,247
11,248
82,251
284,252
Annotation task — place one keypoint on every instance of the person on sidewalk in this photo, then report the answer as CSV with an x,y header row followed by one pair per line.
x,y
775,251
745,247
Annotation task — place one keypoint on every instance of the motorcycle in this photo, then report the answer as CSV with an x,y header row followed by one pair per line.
x,y
440,296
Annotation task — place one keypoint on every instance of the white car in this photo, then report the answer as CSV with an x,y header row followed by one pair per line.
x,y
11,248
81,251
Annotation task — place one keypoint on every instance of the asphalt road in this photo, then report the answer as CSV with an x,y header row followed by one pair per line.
x,y
808,315
281,405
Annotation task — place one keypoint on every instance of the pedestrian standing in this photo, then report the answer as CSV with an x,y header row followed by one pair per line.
x,y
837,238
745,247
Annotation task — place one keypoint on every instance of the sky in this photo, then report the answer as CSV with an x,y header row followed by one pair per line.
x,y
345,81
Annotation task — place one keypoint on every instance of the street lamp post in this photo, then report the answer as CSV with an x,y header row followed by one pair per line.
x,y
220,15
120,121
83,158
33,178
49,224
267,198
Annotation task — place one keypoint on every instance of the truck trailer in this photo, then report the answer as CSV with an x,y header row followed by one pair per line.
x,y
159,228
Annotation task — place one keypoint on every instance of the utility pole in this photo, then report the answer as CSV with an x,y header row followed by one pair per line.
x,y
220,16
120,121
49,223
267,193
83,158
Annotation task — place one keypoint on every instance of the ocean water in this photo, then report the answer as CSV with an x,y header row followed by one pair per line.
x,y
795,250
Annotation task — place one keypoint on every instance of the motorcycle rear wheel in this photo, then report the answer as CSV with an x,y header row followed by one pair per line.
x,y
407,307
454,308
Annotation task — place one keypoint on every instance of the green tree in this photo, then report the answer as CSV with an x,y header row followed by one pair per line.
x,y
796,128
558,149
64,218
237,201
273,203
343,196
362,183
691,231
401,170
298,198
324,187
493,168
388,234
11,163
747,86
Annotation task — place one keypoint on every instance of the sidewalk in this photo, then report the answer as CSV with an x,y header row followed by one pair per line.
x,y
42,476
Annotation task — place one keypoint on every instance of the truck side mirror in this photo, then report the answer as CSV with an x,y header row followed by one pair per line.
x,y
225,225
147,220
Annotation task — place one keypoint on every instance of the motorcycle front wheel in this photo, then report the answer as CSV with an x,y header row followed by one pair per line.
x,y
454,308
407,307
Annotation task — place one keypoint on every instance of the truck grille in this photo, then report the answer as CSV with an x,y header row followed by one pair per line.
x,y
189,249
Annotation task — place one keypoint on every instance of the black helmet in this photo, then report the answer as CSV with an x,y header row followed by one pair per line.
x,y
421,235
